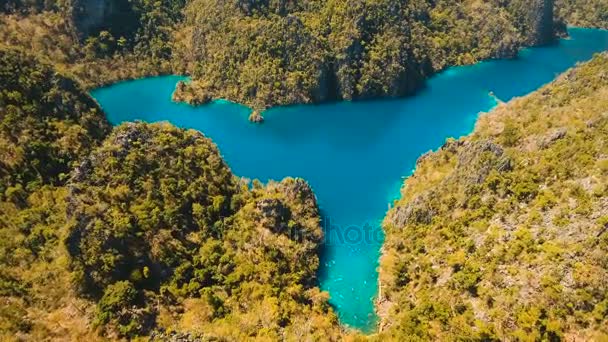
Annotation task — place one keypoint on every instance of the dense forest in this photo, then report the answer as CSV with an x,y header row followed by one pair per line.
x,y
268,53
96,41
142,231
584,13
503,235
47,124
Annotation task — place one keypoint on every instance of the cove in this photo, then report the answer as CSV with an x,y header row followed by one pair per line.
x,y
354,154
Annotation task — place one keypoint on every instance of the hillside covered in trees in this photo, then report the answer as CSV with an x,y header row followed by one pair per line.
x,y
503,235
268,53
47,124
98,42
161,234
583,13
143,231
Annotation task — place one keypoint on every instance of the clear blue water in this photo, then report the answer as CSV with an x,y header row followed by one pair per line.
x,y
354,154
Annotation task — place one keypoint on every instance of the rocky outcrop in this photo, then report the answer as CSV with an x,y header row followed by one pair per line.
x,y
476,159
552,137
535,21
191,93
297,190
88,15
290,207
256,117
418,211
540,22
162,335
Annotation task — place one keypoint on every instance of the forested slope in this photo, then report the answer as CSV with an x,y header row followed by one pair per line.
x,y
142,232
163,235
47,124
267,53
504,234
583,13
96,41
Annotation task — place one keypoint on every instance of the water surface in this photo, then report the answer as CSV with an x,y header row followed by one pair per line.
x,y
354,154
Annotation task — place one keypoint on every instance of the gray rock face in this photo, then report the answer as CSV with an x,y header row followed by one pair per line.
x,y
535,19
552,137
297,190
256,117
173,336
416,212
89,14
541,22
476,159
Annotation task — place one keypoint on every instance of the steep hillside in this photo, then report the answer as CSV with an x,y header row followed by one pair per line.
x,y
162,235
265,53
47,124
584,13
147,233
97,41
503,235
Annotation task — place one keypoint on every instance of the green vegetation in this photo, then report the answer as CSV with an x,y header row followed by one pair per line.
x,y
142,232
96,41
265,53
157,221
503,235
584,13
47,124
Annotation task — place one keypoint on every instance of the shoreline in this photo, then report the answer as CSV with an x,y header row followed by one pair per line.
x,y
379,288
261,111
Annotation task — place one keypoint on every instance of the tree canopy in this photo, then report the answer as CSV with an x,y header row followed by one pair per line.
x,y
144,231
502,235
46,124
268,53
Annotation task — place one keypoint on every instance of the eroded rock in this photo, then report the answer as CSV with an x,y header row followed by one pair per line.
x,y
552,137
256,117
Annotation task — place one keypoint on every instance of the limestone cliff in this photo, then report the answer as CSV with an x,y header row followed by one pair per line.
x,y
541,22
90,14
536,20
287,52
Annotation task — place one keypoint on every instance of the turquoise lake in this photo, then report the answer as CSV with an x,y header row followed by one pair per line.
x,y
354,154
